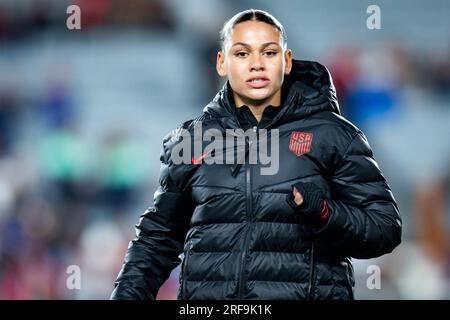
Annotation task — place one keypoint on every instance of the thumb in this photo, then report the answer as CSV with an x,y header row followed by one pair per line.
x,y
298,198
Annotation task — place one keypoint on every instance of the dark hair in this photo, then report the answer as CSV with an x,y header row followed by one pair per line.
x,y
251,15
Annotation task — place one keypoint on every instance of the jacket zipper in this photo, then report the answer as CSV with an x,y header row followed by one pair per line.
x,y
311,274
248,188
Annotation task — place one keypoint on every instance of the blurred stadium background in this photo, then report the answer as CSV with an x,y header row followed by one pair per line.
x,y
83,113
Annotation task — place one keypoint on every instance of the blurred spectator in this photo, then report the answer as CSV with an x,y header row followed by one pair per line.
x,y
122,171
374,92
58,107
64,161
9,111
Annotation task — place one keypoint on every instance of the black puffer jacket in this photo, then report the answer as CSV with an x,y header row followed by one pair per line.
x,y
241,239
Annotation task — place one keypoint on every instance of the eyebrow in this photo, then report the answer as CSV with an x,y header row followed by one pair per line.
x,y
264,45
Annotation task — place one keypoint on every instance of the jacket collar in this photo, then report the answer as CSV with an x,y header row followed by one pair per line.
x,y
308,89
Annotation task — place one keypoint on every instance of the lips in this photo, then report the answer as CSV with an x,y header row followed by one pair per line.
x,y
258,82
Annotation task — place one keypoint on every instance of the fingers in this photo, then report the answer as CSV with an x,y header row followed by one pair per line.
x,y
298,198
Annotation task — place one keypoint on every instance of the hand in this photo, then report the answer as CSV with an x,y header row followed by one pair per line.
x,y
309,201
298,198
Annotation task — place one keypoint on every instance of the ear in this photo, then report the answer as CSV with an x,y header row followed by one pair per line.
x,y
288,61
220,68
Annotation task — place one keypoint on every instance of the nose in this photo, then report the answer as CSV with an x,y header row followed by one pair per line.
x,y
256,64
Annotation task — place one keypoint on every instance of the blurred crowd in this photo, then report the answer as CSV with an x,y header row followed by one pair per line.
x,y
83,113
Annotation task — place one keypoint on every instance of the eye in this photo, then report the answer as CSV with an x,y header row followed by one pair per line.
x,y
241,54
270,53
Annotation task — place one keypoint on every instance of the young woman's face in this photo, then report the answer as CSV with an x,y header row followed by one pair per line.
x,y
255,63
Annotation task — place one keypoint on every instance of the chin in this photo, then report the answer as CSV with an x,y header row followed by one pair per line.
x,y
264,94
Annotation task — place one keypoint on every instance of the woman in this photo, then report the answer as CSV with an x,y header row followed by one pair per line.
x,y
289,234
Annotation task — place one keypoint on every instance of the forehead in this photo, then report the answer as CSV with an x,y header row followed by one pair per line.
x,y
255,33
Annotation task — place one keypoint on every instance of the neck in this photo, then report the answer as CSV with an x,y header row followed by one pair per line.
x,y
257,112
257,107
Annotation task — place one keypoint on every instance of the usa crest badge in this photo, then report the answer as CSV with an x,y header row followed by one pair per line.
x,y
300,142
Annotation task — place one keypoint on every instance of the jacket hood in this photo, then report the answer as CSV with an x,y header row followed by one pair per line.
x,y
309,89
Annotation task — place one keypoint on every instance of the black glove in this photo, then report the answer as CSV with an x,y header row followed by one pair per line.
x,y
314,206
